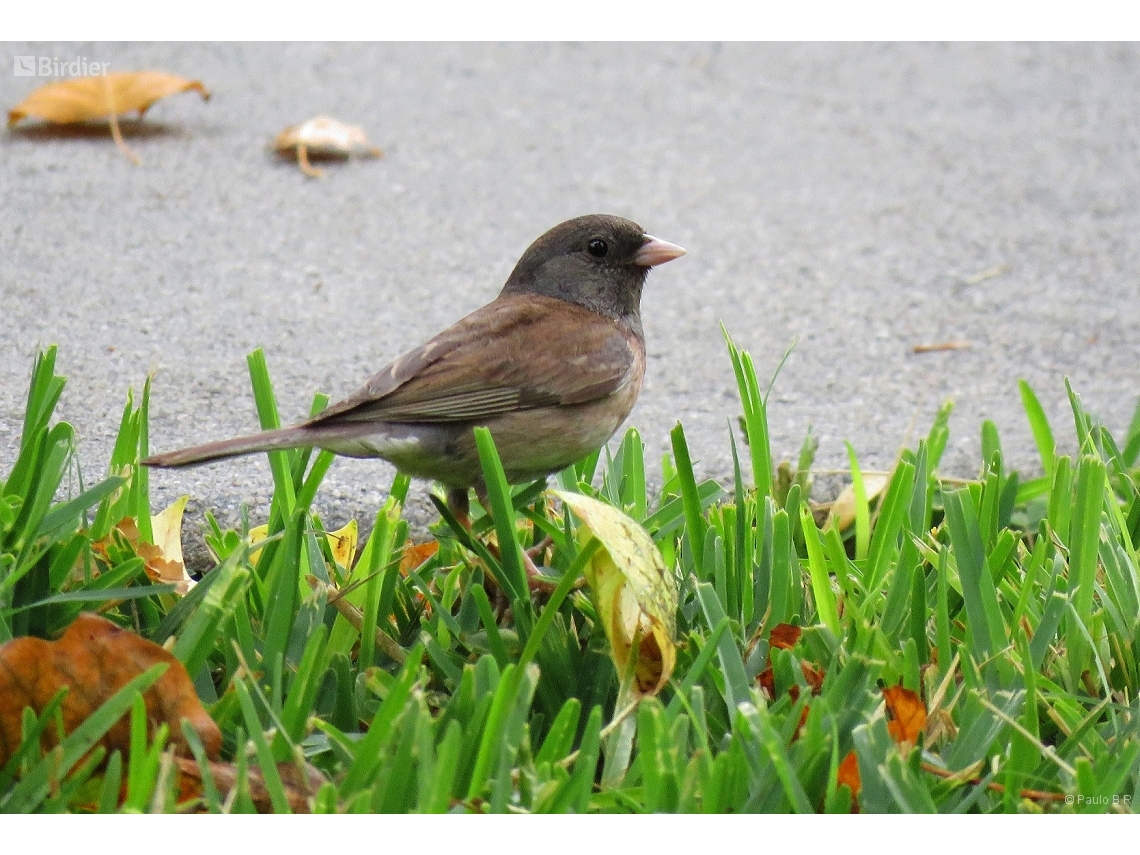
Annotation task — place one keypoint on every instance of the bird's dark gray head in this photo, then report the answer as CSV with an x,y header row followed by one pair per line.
x,y
598,261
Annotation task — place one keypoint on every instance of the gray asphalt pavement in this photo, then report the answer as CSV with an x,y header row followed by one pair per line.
x,y
859,199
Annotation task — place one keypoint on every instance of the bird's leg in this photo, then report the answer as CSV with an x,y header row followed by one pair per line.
x,y
535,579
540,547
459,505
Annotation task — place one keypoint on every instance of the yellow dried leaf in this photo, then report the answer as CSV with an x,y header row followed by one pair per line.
x,y
162,558
343,543
166,527
843,508
323,137
83,99
104,96
634,592
257,534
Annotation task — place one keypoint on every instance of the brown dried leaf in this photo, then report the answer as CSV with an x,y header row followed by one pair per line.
x,y
323,137
803,720
812,673
299,788
767,681
814,676
784,636
907,714
95,658
941,346
849,775
416,554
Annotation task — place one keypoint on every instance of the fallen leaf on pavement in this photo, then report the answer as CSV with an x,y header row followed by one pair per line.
x,y
104,96
988,273
940,346
95,658
326,138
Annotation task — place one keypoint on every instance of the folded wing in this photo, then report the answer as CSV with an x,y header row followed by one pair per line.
x,y
499,359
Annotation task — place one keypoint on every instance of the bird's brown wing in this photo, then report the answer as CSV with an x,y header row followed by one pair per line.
x,y
515,353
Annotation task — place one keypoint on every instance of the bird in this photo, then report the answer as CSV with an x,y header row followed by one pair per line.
x,y
552,367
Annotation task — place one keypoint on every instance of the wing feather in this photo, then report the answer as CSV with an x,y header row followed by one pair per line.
x,y
512,354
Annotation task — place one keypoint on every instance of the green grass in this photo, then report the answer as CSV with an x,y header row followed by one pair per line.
x,y
1010,605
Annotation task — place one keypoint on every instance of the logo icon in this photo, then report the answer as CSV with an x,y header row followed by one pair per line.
x,y
53,66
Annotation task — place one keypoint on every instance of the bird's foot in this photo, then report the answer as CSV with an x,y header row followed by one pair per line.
x,y
537,580
459,504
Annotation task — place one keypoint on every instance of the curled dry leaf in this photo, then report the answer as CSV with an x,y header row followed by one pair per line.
x,y
104,96
323,137
634,592
907,714
95,658
163,558
785,636
767,681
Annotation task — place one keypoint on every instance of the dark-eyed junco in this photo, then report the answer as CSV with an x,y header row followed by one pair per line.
x,y
552,366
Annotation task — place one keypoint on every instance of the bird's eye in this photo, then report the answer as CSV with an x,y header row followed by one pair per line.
x,y
597,248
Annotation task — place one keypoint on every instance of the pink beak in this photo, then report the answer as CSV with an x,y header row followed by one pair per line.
x,y
656,251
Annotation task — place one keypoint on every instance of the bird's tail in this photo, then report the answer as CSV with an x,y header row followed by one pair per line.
x,y
270,440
